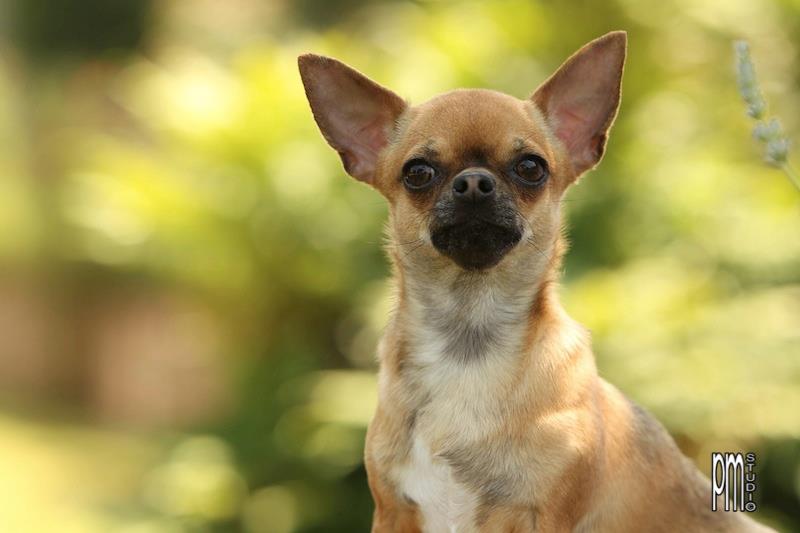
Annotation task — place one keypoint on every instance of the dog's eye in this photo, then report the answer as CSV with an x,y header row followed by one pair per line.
x,y
531,170
418,175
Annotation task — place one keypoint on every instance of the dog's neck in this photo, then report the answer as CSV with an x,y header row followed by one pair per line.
x,y
465,318
469,348
469,318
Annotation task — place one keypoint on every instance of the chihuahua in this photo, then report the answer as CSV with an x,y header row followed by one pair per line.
x,y
491,415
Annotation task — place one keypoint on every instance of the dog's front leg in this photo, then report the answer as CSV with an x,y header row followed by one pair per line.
x,y
395,521
387,445
392,515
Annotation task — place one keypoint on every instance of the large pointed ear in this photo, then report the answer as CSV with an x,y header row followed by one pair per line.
x,y
580,100
355,114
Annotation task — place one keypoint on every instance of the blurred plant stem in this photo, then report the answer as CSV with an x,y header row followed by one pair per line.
x,y
792,174
767,130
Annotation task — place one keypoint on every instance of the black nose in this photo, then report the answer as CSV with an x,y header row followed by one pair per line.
x,y
473,186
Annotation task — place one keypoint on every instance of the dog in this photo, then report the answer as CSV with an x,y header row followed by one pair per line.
x,y
491,415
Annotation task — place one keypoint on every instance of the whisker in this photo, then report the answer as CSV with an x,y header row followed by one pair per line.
x,y
529,240
415,241
415,248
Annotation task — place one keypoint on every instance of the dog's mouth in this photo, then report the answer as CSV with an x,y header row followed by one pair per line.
x,y
476,244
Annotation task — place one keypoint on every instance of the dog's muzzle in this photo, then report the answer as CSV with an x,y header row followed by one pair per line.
x,y
473,224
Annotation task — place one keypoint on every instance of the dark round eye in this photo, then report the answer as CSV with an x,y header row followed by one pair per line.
x,y
418,175
531,170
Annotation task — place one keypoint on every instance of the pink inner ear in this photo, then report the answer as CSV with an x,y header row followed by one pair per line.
x,y
581,129
361,143
571,128
580,114
354,113
581,98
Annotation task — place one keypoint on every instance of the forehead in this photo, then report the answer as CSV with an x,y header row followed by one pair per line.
x,y
474,121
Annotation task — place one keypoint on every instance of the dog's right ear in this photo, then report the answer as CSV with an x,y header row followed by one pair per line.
x,y
355,114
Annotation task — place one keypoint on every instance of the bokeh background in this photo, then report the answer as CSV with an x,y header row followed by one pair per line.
x,y
191,289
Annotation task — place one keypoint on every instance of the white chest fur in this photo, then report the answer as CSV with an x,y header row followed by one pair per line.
x,y
461,345
446,505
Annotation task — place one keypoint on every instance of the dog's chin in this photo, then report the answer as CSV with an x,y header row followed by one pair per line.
x,y
475,245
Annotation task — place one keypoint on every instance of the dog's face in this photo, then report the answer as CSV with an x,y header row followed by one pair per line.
x,y
468,173
472,176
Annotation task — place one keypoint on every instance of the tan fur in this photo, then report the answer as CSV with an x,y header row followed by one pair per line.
x,y
522,435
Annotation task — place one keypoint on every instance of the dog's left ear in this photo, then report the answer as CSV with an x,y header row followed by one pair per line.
x,y
581,99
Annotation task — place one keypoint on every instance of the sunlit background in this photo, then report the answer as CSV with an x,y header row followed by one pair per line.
x,y
191,289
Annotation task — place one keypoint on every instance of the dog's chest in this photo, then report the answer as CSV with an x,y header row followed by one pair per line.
x,y
445,504
460,410
462,364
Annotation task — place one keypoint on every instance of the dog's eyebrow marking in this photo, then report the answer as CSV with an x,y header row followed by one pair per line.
x,y
525,145
521,145
429,149
426,151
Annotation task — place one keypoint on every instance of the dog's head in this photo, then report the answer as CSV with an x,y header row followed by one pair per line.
x,y
473,177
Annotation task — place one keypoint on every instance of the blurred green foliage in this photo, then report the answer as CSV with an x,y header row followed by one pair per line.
x,y
184,241
52,30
